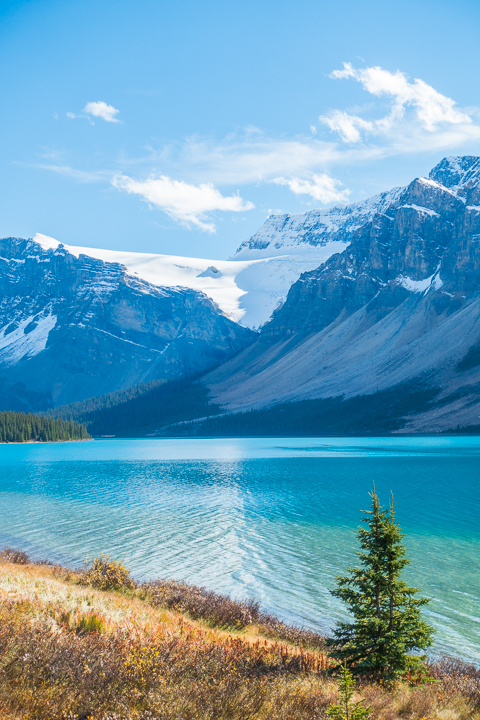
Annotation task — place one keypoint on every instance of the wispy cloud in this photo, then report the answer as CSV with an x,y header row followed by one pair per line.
x,y
96,109
403,116
242,159
322,187
186,203
102,110
432,111
84,176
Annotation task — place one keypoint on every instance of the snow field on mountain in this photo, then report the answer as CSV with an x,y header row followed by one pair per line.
x,y
247,291
25,341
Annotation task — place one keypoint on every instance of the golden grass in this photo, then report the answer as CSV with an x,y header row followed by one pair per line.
x,y
69,651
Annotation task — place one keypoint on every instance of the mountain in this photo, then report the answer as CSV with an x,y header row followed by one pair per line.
x,y
73,326
77,322
378,329
247,288
383,336
306,234
398,307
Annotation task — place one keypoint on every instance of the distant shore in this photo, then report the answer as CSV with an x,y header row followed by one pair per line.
x,y
44,442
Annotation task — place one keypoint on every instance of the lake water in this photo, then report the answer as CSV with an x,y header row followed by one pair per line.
x,y
272,519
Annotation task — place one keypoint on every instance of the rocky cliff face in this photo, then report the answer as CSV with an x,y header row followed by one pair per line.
x,y
423,242
400,302
73,327
315,229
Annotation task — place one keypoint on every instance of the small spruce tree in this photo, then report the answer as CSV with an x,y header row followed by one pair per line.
x,y
345,710
387,623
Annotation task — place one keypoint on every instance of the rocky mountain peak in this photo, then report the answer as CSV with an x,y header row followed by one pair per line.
x,y
398,309
74,326
423,242
454,171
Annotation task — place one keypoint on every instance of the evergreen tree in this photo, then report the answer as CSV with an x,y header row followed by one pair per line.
x,y
387,623
345,710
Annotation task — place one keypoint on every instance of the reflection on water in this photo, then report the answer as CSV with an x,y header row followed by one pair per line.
x,y
272,519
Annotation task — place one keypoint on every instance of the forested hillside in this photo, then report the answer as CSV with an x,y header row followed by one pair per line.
x,y
142,410
21,427
183,408
84,409
380,413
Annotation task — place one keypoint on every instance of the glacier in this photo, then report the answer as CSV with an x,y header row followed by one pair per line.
x,y
246,290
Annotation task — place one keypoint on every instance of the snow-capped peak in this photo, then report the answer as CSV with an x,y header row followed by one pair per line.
x,y
306,233
456,171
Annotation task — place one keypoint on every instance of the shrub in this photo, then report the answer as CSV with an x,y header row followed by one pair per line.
x,y
201,604
220,610
271,627
163,675
13,556
106,574
459,678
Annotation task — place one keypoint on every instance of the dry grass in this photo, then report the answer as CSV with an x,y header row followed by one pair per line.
x,y
221,611
71,651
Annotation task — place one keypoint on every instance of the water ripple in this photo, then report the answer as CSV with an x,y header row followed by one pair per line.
x,y
269,519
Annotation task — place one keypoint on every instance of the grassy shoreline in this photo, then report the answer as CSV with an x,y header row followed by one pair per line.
x,y
166,650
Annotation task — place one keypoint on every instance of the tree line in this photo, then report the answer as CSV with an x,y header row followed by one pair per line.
x,y
22,427
159,406
141,409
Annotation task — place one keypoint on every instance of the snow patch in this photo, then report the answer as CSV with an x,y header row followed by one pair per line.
x,y
434,282
25,341
130,342
437,282
424,210
46,242
414,285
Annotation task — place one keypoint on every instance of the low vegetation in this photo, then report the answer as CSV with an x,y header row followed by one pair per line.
x,y
169,651
20,427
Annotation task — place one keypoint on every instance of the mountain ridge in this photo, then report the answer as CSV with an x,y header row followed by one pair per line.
x,y
394,303
377,314
72,327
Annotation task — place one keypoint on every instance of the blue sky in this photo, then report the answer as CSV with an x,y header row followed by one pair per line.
x,y
177,126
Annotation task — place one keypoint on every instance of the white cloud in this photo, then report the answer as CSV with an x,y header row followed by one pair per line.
x,y
414,118
102,110
322,187
432,110
347,126
243,159
71,115
186,203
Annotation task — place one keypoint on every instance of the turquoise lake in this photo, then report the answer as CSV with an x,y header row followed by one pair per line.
x,y
273,519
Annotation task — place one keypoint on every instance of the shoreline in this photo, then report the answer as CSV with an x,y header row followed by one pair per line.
x,y
129,651
45,442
